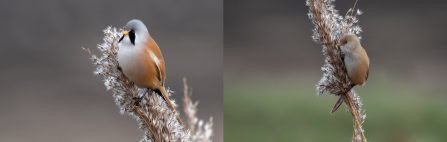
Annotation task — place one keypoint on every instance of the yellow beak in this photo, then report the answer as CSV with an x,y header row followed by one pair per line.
x,y
125,33
339,44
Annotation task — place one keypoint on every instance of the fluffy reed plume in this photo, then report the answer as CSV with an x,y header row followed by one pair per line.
x,y
205,135
329,28
154,115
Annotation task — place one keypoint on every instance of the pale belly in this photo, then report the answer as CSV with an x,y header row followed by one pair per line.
x,y
133,66
355,74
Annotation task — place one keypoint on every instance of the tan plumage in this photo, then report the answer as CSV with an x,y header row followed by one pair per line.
x,y
358,75
356,62
153,76
141,60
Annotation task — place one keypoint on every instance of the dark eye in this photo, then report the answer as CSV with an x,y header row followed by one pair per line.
x,y
346,42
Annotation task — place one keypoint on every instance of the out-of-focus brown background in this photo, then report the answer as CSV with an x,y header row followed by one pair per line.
x,y
272,66
48,90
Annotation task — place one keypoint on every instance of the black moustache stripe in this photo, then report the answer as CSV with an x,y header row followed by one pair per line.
x,y
122,37
132,36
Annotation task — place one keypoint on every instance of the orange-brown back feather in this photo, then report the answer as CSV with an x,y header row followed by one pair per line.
x,y
157,70
153,47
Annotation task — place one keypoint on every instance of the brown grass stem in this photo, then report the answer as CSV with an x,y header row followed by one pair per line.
x,y
348,102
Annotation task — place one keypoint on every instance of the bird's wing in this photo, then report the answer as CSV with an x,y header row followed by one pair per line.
x,y
156,64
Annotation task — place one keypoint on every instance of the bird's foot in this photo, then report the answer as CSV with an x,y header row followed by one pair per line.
x,y
138,100
347,89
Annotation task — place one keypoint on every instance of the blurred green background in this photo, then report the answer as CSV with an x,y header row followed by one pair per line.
x,y
271,67
288,109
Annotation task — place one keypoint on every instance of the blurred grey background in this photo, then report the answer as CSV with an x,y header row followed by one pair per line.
x,y
272,66
404,39
48,90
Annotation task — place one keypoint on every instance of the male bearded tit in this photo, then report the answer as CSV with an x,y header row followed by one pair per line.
x,y
141,61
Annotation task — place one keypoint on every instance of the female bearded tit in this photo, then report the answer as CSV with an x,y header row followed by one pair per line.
x,y
356,62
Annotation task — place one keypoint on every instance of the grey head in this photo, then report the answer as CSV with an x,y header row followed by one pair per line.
x,y
135,32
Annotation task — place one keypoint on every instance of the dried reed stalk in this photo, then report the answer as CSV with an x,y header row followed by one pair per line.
x,y
154,115
205,135
329,28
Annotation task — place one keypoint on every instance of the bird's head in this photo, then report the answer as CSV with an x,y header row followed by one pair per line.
x,y
349,43
135,32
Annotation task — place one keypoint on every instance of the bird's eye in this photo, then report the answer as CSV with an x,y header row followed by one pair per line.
x,y
346,42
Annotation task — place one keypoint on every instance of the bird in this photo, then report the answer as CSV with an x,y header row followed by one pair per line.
x,y
141,61
356,62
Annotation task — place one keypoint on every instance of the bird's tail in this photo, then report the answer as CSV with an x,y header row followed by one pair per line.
x,y
339,102
164,94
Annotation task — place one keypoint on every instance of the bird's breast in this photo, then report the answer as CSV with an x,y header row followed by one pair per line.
x,y
132,64
350,63
356,69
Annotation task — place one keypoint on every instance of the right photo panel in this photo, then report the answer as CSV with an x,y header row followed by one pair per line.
x,y
335,71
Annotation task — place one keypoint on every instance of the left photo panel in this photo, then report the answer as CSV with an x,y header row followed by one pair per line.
x,y
112,71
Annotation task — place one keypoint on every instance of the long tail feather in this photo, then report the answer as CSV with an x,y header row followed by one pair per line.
x,y
337,105
166,97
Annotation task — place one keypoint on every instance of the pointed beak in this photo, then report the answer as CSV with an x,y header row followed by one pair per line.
x,y
339,44
125,33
